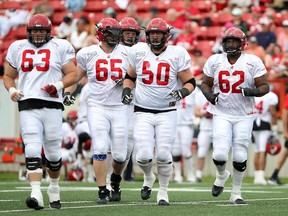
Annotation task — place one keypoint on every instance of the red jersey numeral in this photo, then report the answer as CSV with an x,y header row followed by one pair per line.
x,y
102,71
27,60
162,74
224,83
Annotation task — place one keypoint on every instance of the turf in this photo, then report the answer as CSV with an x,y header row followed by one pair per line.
x,y
79,198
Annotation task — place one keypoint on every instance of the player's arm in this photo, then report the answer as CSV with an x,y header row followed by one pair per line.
x,y
188,82
284,122
206,88
9,82
262,87
128,85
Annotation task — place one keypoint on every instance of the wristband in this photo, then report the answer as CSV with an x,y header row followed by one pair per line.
x,y
12,90
59,85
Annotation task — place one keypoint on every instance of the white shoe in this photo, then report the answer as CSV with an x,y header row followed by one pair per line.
x,y
260,182
149,181
35,200
178,179
237,199
162,198
191,179
54,197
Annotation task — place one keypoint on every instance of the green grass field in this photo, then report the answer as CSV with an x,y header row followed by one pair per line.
x,y
186,199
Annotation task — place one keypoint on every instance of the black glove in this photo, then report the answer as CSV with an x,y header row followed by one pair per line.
x,y
119,82
250,92
68,99
127,96
180,94
212,98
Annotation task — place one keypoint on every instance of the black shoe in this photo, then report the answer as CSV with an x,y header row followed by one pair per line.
x,y
32,202
198,180
239,201
103,196
216,190
274,181
115,195
55,204
146,192
163,203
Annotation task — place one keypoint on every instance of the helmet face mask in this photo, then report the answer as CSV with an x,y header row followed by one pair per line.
x,y
233,41
160,33
108,31
130,31
72,117
38,30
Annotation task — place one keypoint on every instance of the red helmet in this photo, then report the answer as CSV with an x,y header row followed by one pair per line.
x,y
233,33
108,27
39,22
76,174
158,25
129,24
87,145
273,146
72,114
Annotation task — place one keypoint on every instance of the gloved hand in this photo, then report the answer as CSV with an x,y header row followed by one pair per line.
x,y
212,98
68,99
180,94
250,92
53,88
127,96
119,82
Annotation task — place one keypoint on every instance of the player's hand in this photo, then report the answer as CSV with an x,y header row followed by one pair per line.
x,y
212,98
51,90
68,99
119,82
127,96
15,94
249,92
180,94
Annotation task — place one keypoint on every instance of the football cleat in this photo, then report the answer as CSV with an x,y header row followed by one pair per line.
x,y
162,198
54,197
218,185
115,192
35,201
274,181
103,196
237,199
146,192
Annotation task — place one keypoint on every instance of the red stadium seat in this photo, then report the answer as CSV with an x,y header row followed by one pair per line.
x,y
214,32
201,33
221,18
206,47
21,32
57,5
203,5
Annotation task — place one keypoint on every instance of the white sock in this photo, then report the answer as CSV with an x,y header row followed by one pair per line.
x,y
164,172
199,174
54,182
189,168
237,181
177,168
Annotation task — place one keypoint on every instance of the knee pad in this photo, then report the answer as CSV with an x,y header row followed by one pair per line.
x,y
219,163
33,163
176,158
241,167
118,162
100,157
54,166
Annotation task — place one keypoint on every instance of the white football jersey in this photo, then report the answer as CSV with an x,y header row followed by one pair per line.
x,y
262,105
229,78
201,101
37,67
185,109
82,104
102,71
157,76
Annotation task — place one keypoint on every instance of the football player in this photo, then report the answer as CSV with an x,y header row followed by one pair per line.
x,y
274,179
103,64
45,67
204,138
154,71
265,125
231,81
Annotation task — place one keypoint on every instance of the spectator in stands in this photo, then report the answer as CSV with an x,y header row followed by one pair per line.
x,y
198,61
273,62
237,20
274,180
75,5
153,13
219,5
5,26
188,12
171,19
254,25
43,8
282,38
132,11
254,48
79,35
110,12
266,38
187,39
67,26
